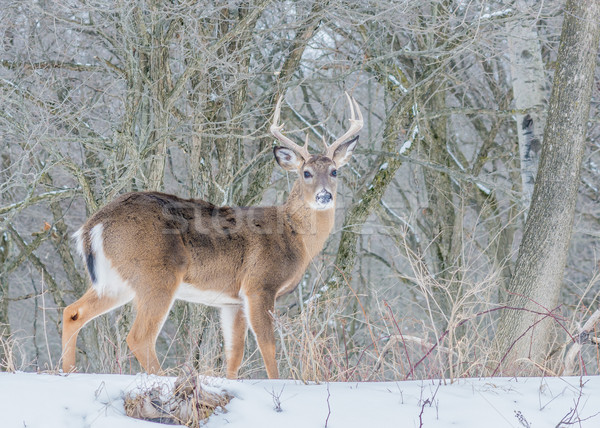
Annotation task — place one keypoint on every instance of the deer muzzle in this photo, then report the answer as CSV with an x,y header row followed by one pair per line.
x,y
324,199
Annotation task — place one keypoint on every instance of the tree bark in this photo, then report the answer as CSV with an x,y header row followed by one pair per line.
x,y
527,77
523,336
370,196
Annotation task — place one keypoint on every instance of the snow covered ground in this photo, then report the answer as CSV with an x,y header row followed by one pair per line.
x,y
84,400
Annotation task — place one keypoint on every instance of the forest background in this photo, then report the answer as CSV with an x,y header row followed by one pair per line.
x,y
423,275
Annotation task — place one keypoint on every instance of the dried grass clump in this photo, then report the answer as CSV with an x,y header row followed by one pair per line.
x,y
11,354
188,403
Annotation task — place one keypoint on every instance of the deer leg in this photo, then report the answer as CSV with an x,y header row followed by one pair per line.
x,y
79,313
152,310
259,310
234,326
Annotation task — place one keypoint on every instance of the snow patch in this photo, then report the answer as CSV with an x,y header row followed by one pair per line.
x,y
396,82
407,145
484,189
77,400
497,14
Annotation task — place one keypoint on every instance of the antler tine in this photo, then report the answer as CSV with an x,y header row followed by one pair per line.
x,y
276,131
351,104
356,125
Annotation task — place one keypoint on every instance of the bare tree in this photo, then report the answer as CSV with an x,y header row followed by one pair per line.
x,y
524,332
528,82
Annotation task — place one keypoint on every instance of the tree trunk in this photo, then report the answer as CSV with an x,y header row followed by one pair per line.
x,y
523,336
368,198
527,77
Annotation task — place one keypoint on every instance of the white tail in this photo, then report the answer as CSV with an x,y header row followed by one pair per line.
x,y
154,248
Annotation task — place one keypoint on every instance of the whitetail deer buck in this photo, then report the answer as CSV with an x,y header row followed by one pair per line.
x,y
154,248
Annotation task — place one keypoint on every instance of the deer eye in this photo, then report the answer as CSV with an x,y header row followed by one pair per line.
x,y
334,173
307,174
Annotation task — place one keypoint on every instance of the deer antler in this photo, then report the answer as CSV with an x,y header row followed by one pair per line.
x,y
355,126
276,131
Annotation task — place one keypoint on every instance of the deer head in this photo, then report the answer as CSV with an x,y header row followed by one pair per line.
x,y
317,173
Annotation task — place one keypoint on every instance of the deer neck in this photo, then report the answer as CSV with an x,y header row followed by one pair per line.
x,y
312,226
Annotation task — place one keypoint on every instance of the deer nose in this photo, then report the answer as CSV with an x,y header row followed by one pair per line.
x,y
323,197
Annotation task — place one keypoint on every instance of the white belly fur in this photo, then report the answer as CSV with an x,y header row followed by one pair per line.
x,y
189,293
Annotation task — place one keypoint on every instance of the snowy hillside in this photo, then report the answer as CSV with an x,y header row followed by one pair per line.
x,y
83,400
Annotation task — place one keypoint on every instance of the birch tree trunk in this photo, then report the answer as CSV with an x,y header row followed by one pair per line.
x,y
523,336
527,78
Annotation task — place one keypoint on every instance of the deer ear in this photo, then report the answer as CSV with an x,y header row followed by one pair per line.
x,y
287,158
343,153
